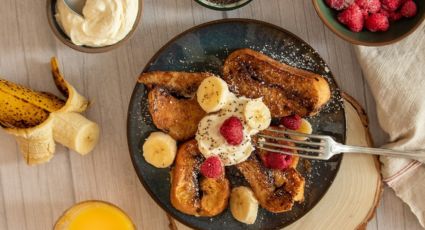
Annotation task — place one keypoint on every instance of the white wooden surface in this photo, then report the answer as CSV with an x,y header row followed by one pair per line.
x,y
34,197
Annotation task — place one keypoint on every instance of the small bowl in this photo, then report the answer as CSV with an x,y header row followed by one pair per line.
x,y
398,30
223,7
60,34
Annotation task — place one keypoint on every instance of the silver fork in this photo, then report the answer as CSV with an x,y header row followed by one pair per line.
x,y
321,147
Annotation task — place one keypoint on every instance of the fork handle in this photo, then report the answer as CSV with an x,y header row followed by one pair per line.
x,y
415,155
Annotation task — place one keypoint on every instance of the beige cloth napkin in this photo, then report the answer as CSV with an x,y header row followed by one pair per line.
x,y
396,76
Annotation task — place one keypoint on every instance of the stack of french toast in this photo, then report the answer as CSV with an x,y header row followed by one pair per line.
x,y
208,123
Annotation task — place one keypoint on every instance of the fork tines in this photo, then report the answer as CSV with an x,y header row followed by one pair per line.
x,y
304,148
287,132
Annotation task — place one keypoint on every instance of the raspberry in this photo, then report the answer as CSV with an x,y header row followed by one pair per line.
x,y
232,130
291,122
212,167
385,12
391,5
377,22
278,160
370,6
394,16
365,14
409,9
352,17
263,158
339,4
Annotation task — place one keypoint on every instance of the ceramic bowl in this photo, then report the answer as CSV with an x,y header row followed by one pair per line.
x,y
223,7
60,34
398,30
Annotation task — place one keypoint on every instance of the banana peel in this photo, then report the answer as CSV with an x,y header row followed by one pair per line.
x,y
46,101
75,102
15,113
36,144
38,119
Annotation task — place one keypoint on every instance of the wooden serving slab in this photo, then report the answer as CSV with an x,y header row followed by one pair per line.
x,y
355,193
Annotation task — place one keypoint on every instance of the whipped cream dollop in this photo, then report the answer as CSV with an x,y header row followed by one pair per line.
x,y
212,143
104,22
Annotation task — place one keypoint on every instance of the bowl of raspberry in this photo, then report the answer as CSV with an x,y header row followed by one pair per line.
x,y
371,22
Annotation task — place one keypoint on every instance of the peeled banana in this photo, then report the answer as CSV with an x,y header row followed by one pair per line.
x,y
75,132
38,119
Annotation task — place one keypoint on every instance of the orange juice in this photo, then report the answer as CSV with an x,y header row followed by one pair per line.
x,y
94,215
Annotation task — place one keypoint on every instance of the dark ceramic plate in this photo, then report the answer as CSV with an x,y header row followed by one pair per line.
x,y
204,48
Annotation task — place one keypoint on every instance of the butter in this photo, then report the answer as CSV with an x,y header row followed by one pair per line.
x,y
104,22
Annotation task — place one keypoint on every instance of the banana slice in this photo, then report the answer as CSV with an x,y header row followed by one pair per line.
x,y
305,127
213,94
76,132
160,149
243,205
257,115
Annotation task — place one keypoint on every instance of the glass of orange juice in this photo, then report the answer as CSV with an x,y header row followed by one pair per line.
x,y
94,215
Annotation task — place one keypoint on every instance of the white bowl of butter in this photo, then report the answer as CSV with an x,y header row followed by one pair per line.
x,y
104,25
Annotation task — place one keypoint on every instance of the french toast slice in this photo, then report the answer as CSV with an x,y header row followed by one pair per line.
x,y
191,193
172,101
276,190
182,83
286,90
177,117
273,198
278,175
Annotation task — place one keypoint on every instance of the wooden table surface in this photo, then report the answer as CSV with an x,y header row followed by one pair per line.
x,y
34,197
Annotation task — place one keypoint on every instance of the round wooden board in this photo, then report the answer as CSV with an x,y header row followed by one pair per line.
x,y
355,193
